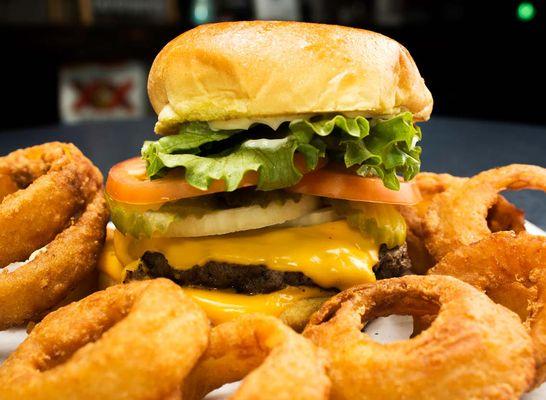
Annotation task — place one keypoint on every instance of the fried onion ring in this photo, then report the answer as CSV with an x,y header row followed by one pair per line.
x,y
133,341
57,181
458,216
275,362
511,270
473,348
58,203
35,287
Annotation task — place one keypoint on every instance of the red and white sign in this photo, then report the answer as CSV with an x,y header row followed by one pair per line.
x,y
102,92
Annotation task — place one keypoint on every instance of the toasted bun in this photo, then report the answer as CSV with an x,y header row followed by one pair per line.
x,y
266,69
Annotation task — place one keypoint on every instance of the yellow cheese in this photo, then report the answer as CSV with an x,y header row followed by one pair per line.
x,y
221,306
333,255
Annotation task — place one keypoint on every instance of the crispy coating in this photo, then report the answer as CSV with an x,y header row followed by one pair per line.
x,y
134,341
511,269
458,216
40,284
473,349
273,361
55,180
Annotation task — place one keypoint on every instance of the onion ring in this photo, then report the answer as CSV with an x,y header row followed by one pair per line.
x,y
284,364
511,270
457,216
35,287
474,348
51,203
133,341
57,180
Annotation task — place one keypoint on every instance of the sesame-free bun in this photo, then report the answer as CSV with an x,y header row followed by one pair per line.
x,y
265,69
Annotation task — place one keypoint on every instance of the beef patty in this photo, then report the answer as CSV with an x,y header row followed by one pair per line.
x,y
253,279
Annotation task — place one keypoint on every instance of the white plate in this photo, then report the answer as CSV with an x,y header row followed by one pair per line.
x,y
383,330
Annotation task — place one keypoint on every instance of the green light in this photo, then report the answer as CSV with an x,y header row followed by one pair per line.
x,y
202,11
526,11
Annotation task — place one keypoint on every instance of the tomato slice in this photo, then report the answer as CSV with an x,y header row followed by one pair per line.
x,y
339,183
127,183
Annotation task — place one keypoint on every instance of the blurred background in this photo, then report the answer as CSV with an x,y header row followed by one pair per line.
x,y
67,61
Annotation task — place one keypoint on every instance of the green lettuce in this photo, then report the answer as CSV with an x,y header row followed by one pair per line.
x,y
273,159
378,147
191,136
383,148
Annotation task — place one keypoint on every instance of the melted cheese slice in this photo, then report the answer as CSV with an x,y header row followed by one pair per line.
x,y
333,255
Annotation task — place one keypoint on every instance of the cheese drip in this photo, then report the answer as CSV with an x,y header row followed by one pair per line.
x,y
221,306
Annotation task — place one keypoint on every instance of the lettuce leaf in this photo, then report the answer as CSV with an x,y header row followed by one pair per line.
x,y
191,136
383,148
378,147
273,159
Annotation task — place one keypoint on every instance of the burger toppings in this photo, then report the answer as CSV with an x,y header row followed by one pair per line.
x,y
245,210
250,279
213,214
373,147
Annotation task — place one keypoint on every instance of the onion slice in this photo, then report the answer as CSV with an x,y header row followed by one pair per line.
x,y
241,218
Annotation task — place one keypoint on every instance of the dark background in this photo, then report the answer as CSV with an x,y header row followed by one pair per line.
x,y
479,58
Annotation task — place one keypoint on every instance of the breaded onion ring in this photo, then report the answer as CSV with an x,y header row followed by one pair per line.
x,y
457,217
275,362
57,181
511,270
133,341
40,284
57,202
473,349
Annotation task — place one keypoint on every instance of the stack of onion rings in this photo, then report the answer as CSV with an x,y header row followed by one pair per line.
x,y
58,202
473,348
458,216
134,341
511,270
502,216
275,362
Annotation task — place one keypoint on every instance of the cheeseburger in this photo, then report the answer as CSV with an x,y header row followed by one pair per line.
x,y
284,151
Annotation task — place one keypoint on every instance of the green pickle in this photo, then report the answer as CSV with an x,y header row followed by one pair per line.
x,y
382,222
145,221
